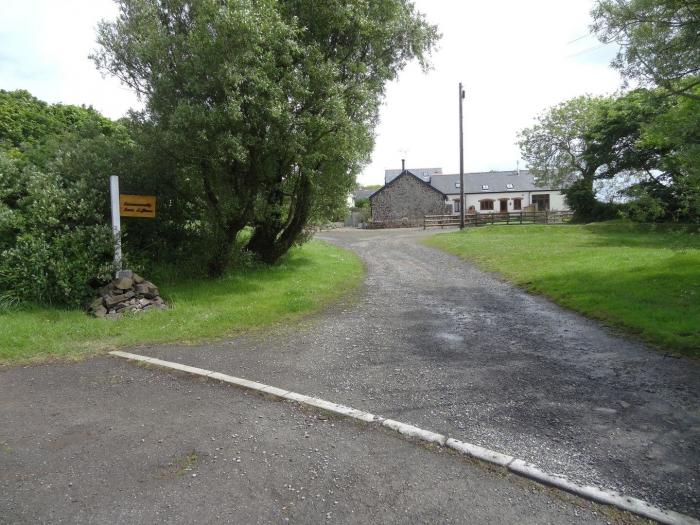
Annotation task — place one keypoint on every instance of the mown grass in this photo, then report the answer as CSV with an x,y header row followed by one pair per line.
x,y
643,278
306,280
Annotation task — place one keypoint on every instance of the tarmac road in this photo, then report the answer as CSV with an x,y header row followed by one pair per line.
x,y
108,442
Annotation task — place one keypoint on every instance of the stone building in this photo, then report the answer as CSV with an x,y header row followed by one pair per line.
x,y
405,200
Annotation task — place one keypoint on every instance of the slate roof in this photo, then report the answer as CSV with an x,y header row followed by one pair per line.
x,y
408,173
497,182
421,173
362,193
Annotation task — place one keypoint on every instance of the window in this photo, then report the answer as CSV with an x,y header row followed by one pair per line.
x,y
455,206
484,186
517,204
456,184
541,202
509,186
486,204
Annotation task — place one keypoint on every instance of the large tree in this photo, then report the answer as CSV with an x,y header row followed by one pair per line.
x,y
266,106
644,136
659,41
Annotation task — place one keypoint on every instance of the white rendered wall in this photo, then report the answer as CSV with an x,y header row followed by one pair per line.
x,y
557,201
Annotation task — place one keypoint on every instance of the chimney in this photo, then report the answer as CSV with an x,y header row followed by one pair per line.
x,y
403,165
518,165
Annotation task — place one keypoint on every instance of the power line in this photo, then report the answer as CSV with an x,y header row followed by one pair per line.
x,y
579,38
595,48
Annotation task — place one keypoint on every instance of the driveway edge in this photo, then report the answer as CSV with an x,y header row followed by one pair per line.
x,y
514,465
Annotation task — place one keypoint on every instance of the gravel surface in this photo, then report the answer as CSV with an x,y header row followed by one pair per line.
x,y
106,441
431,340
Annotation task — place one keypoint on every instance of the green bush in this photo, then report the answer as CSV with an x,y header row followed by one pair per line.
x,y
581,199
53,243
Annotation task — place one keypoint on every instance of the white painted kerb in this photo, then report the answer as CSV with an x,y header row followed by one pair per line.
x,y
517,466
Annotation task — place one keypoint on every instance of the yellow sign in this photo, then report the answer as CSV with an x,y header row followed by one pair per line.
x,y
143,206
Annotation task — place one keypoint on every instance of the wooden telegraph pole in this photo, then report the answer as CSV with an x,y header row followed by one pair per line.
x,y
462,94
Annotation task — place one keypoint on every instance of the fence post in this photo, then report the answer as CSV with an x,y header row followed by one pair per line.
x,y
521,217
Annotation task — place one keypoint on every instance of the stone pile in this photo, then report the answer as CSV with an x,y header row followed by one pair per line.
x,y
128,292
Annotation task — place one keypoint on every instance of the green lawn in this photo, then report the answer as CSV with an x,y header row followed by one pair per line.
x,y
643,278
308,279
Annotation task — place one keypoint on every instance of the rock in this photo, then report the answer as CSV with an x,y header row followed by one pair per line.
x,y
151,287
128,292
104,290
111,301
123,283
125,274
100,311
95,304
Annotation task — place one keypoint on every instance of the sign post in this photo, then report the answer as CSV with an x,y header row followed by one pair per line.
x,y
143,206
116,221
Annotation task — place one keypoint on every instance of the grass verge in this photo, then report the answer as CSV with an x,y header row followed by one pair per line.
x,y
643,278
309,278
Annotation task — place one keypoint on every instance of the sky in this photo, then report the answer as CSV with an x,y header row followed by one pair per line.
x,y
516,58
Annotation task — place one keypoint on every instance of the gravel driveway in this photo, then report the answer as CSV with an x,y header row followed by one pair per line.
x,y
433,341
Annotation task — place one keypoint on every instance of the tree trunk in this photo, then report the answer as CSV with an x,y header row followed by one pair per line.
x,y
271,240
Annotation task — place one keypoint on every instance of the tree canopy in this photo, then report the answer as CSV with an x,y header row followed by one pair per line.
x,y
647,136
267,108
659,39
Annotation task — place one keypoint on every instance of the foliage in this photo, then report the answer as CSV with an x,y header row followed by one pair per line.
x,y
554,147
52,243
643,278
644,135
266,109
362,203
586,207
54,166
306,280
659,39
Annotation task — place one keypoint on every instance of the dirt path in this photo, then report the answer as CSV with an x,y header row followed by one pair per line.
x,y
433,341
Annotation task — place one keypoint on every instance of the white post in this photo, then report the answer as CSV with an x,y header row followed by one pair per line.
x,y
116,221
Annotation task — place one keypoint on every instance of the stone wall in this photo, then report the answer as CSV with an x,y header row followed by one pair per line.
x,y
405,201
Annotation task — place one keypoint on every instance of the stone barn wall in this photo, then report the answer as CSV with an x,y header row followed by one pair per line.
x,y
405,201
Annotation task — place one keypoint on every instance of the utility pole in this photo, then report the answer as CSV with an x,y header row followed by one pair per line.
x,y
461,159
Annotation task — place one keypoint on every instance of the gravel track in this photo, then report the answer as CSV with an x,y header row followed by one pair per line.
x,y
431,340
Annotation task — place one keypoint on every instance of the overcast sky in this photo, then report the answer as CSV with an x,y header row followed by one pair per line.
x,y
514,57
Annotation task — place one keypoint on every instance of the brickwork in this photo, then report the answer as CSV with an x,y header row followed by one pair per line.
x,y
405,201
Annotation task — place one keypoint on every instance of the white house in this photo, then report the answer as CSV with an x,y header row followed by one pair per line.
x,y
499,191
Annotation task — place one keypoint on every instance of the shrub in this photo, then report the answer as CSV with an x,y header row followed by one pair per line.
x,y
581,199
53,243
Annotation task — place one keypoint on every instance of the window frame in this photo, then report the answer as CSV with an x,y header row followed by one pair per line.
x,y
483,201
